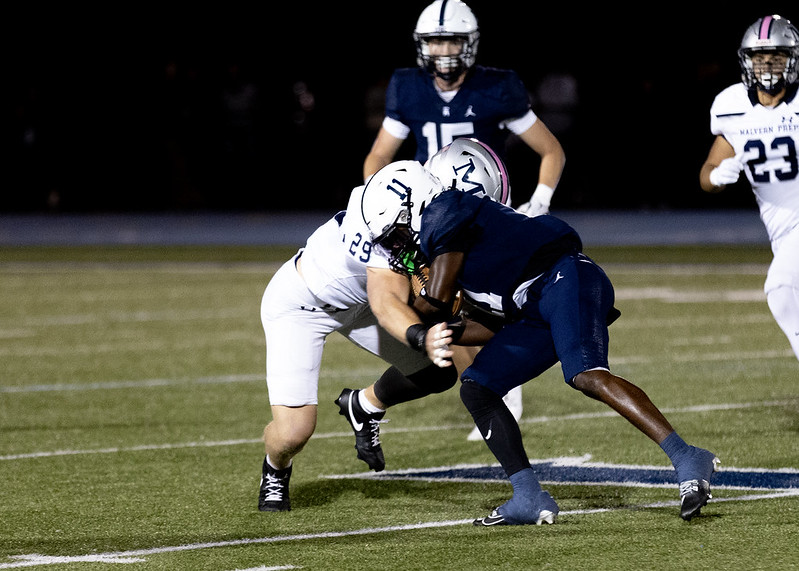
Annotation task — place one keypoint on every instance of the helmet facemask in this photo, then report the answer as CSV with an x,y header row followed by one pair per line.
x,y
764,73
402,245
447,67
401,242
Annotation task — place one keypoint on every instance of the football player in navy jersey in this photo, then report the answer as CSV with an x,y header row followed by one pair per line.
x,y
447,96
756,123
556,303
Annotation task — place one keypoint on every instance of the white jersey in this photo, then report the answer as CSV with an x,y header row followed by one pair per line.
x,y
767,140
335,257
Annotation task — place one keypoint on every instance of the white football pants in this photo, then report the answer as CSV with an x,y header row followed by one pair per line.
x,y
296,328
782,286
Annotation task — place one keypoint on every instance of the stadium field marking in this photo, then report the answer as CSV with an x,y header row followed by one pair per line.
x,y
582,471
142,316
394,430
187,267
362,372
675,295
139,555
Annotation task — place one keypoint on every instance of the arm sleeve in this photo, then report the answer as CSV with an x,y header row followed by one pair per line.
x,y
520,124
396,128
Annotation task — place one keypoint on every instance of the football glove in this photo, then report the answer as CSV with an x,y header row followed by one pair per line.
x,y
539,202
727,172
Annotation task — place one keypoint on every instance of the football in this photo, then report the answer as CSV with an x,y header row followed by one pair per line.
x,y
419,280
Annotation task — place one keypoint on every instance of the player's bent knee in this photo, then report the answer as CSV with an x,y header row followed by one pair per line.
x,y
594,382
476,397
435,379
287,437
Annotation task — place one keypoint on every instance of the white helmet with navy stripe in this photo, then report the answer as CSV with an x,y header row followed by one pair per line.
x,y
392,205
473,167
446,19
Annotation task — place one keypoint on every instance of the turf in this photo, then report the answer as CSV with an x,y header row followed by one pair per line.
x,y
132,400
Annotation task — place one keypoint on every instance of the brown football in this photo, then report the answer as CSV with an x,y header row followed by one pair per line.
x,y
419,279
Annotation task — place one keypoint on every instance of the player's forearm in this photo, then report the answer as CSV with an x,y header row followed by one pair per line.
x,y
383,151
388,294
551,168
395,316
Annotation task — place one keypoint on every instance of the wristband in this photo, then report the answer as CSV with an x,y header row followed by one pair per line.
x,y
543,194
415,335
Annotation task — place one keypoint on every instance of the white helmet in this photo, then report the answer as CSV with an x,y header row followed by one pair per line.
x,y
446,19
472,167
392,206
770,34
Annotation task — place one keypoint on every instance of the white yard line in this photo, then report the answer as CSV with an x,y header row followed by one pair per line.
x,y
362,372
400,430
188,267
140,555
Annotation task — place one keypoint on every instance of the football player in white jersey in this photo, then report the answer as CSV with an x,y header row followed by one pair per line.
x,y
756,123
322,289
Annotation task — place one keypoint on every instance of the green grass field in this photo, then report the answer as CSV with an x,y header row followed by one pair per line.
x,y
132,401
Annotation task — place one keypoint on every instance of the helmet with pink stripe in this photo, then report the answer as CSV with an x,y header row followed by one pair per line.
x,y
769,54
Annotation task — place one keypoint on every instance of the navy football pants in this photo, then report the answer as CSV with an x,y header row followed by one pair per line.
x,y
565,318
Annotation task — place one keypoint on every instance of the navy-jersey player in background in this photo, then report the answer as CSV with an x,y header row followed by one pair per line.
x,y
448,96
557,304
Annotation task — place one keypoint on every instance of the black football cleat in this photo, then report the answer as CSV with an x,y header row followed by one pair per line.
x,y
366,427
273,495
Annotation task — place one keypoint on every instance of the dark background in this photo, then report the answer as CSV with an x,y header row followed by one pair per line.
x,y
270,107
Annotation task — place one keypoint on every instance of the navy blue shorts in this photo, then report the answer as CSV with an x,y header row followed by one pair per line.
x,y
565,318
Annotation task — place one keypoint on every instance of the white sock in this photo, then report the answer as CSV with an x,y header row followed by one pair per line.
x,y
368,407
268,461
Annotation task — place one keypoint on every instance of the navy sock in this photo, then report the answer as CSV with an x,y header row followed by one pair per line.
x,y
674,447
525,483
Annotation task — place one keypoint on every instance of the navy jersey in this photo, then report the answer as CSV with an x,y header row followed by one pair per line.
x,y
487,97
503,248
